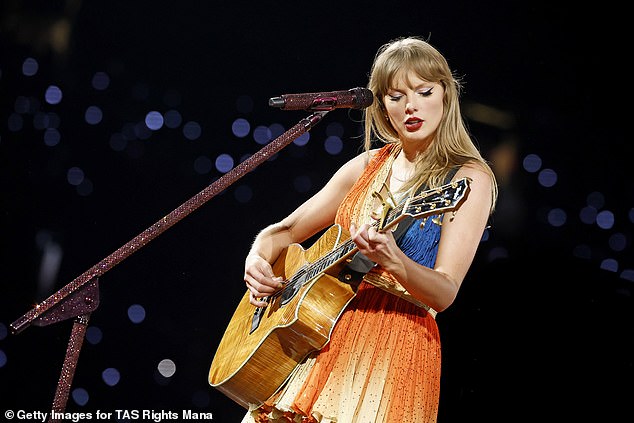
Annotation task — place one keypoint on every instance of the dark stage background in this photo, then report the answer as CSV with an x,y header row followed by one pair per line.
x,y
112,114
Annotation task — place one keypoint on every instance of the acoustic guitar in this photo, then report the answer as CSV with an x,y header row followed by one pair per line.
x,y
262,346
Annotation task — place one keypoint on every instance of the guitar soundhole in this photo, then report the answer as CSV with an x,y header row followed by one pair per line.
x,y
292,287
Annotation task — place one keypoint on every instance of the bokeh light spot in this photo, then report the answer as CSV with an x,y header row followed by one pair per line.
x,y
240,127
333,145
610,264
173,119
557,217
15,122
75,176
118,142
154,120
224,163
547,178
111,376
302,140
94,335
51,137
93,115
30,66
53,95
596,199
588,215
192,130
334,129
276,130
80,396
532,163
136,313
617,242
605,219
100,81
262,134
628,275
85,187
166,368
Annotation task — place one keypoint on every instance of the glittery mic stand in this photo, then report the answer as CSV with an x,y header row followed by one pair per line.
x,y
80,298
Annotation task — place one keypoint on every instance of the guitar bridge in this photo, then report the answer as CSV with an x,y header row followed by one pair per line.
x,y
257,317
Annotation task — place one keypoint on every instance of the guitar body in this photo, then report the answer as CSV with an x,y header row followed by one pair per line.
x,y
261,347
252,363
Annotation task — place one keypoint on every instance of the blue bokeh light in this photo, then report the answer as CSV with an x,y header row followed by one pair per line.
x,y
136,313
80,396
53,95
111,376
240,127
333,145
192,130
605,219
93,115
224,163
532,163
547,178
154,120
30,66
100,81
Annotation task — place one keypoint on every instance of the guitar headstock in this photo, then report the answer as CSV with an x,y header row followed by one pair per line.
x,y
430,202
437,200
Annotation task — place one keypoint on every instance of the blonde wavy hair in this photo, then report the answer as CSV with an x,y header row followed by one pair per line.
x,y
452,145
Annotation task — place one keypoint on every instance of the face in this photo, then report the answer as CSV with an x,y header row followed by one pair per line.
x,y
415,109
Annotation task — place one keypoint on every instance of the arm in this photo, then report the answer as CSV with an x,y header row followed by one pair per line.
x,y
317,213
459,241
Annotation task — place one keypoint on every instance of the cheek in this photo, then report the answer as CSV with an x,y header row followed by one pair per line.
x,y
435,111
391,110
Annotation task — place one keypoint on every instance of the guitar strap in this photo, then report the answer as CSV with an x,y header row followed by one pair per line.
x,y
354,271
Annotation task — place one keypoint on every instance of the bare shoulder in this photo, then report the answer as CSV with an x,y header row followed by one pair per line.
x,y
476,172
353,168
362,159
481,185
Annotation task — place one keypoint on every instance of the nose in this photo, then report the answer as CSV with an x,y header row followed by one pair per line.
x,y
409,108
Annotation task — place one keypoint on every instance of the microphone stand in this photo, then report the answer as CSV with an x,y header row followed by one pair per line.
x,y
79,298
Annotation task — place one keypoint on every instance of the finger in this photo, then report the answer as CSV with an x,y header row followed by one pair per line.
x,y
254,300
372,234
281,282
261,284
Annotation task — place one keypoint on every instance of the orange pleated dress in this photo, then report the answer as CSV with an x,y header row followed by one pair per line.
x,y
382,364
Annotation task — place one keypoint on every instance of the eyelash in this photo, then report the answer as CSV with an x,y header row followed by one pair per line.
x,y
425,93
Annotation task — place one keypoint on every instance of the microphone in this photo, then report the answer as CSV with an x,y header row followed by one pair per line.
x,y
356,98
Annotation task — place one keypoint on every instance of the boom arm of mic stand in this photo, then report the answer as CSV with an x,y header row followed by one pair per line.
x,y
39,312
80,298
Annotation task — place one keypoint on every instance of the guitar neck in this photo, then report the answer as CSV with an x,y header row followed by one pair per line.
x,y
348,247
433,201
